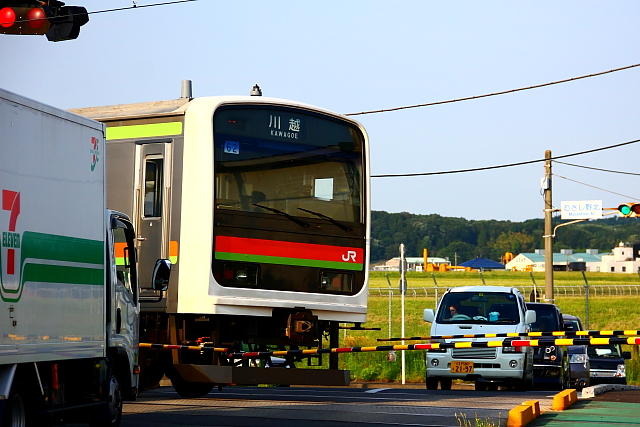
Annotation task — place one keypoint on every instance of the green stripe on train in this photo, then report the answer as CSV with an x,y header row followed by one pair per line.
x,y
228,256
151,130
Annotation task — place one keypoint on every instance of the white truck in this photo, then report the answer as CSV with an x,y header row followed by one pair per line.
x,y
68,288
472,310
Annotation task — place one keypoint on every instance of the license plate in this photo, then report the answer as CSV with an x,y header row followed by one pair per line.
x,y
461,367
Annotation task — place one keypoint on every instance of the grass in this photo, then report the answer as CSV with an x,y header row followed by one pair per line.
x,y
605,313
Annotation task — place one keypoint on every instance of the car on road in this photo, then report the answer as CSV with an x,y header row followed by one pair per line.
x,y
550,363
607,364
578,358
470,310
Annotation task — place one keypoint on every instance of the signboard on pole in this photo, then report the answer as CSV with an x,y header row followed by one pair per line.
x,y
581,209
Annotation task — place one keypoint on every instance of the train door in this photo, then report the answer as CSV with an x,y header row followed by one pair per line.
x,y
152,213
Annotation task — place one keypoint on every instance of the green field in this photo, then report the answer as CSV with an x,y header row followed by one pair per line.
x,y
605,312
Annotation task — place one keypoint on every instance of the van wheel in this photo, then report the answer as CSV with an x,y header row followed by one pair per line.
x,y
445,384
432,383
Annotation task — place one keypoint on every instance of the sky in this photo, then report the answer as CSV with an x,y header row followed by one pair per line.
x,y
357,55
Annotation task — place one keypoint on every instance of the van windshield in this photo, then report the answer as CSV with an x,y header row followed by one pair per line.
x,y
479,307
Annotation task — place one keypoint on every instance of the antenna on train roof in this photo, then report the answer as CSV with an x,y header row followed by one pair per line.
x,y
186,91
256,91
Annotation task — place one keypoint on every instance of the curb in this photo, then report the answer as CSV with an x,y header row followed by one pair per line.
x,y
593,391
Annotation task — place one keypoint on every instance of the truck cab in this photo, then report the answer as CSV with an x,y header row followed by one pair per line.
x,y
472,310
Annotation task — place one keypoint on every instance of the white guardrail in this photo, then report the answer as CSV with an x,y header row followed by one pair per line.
x,y
563,290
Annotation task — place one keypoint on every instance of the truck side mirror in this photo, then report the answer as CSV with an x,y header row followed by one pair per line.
x,y
161,274
428,315
529,317
626,355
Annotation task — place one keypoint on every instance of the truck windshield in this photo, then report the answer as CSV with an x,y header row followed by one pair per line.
x,y
479,307
288,162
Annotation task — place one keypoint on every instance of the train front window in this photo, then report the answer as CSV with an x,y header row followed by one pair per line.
x,y
275,161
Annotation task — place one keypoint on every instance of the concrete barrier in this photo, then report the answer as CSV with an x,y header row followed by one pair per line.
x,y
523,414
564,399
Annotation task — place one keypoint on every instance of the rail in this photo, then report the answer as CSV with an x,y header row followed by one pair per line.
x,y
563,290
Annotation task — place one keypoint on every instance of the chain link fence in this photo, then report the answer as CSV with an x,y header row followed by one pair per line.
x,y
560,290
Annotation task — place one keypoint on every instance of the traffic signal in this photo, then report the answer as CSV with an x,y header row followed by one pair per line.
x,y
629,209
37,17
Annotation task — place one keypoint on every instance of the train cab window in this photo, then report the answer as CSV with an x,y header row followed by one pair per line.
x,y
153,188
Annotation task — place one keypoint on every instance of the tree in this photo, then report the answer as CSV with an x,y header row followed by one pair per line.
x,y
514,242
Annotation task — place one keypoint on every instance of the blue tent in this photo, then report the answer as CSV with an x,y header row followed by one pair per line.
x,y
483,264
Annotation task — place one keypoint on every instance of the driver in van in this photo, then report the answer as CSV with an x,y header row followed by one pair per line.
x,y
453,310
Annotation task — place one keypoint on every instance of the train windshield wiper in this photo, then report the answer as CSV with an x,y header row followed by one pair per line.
x,y
283,213
328,218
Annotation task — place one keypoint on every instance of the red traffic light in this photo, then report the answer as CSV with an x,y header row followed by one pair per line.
x,y
23,20
36,18
7,17
50,17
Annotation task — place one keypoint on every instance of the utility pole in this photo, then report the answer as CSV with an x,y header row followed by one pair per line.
x,y
548,230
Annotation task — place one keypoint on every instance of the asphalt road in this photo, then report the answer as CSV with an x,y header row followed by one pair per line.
x,y
252,406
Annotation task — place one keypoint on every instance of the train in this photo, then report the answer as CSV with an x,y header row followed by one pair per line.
x,y
262,205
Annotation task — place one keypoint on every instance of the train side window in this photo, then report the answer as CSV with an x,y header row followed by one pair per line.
x,y
153,172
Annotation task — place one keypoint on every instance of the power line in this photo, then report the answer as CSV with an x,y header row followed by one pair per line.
x,y
469,98
507,165
597,188
95,12
598,169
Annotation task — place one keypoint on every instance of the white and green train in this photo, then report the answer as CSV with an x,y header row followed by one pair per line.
x,y
262,204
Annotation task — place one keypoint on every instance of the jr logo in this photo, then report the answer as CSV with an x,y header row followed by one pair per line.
x,y
350,256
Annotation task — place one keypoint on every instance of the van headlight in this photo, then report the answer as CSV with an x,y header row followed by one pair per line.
x,y
620,372
435,362
512,349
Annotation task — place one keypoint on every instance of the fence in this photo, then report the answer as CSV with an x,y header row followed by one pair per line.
x,y
560,290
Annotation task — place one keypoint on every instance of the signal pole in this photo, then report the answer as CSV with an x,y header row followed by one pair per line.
x,y
548,230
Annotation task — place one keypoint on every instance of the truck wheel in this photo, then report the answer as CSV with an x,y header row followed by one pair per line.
x,y
110,413
445,384
432,383
16,414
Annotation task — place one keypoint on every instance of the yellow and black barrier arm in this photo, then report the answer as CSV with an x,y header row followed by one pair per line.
x,y
545,342
626,333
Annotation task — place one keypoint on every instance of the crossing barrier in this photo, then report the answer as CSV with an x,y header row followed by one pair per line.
x,y
523,334
507,342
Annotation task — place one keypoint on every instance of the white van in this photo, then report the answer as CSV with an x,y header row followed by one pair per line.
x,y
474,310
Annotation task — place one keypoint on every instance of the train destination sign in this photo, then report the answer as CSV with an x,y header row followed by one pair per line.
x,y
581,209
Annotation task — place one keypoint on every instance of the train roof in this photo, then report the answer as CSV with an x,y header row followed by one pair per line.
x,y
178,106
